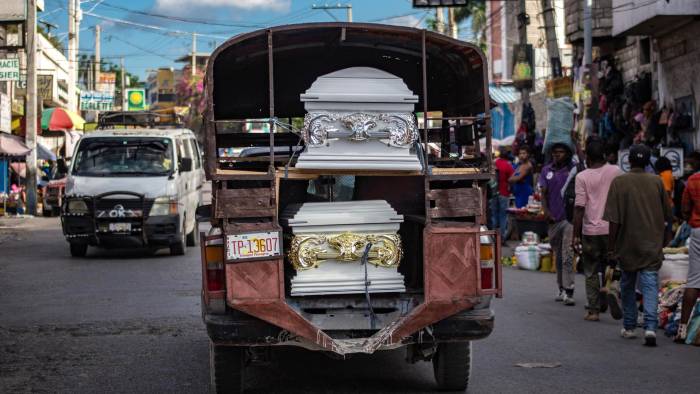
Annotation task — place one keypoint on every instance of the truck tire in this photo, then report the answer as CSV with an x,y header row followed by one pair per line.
x,y
452,366
226,369
78,249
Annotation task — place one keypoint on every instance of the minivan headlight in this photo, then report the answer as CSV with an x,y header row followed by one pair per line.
x,y
164,206
77,206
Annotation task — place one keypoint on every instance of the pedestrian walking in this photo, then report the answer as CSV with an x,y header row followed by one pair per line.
x,y
690,207
521,180
637,209
590,230
552,181
499,207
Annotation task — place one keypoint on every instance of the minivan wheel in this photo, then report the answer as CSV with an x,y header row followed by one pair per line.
x,y
192,237
226,368
178,248
452,366
78,249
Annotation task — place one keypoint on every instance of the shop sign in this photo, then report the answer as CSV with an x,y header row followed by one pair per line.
x,y
13,10
675,156
5,113
9,69
91,100
21,84
106,82
44,87
135,99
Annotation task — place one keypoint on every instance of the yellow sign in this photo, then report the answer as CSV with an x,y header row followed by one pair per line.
x,y
135,99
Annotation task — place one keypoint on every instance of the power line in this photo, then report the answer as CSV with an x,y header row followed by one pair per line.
x,y
152,27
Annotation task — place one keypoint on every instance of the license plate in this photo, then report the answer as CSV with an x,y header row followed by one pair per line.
x,y
120,227
251,245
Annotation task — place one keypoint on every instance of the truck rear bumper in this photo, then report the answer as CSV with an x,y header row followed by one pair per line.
x,y
239,329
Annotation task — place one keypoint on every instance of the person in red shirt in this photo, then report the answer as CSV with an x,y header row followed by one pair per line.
x,y
691,212
499,204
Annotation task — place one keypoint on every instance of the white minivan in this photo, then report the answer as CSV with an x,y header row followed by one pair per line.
x,y
133,188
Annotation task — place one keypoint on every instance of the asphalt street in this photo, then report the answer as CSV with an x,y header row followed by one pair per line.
x,y
125,322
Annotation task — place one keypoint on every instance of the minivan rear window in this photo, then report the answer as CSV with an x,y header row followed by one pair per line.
x,y
124,156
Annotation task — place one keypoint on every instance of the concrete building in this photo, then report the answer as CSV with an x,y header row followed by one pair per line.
x,y
501,35
668,34
160,88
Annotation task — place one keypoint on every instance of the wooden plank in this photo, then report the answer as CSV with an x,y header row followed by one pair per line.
x,y
261,192
451,213
455,171
220,171
231,211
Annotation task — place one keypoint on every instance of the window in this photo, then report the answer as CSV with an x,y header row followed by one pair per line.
x,y
644,51
128,156
195,154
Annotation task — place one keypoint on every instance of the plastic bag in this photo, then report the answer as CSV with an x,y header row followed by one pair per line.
x,y
560,122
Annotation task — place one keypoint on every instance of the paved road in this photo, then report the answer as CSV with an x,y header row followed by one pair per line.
x,y
123,322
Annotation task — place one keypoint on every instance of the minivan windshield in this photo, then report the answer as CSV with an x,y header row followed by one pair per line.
x,y
124,156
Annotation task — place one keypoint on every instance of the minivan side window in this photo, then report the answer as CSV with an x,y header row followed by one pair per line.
x,y
195,154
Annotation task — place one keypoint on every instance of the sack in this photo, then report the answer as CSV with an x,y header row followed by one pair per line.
x,y
560,122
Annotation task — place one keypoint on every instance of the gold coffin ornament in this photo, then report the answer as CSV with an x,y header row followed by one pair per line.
x,y
310,250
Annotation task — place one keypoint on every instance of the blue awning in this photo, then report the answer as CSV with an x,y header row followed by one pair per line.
x,y
503,94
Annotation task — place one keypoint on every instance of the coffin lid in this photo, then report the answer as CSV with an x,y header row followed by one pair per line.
x,y
359,85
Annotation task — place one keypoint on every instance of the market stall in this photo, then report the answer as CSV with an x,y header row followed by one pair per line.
x,y
12,148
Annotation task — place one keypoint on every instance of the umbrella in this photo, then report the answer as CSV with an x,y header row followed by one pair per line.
x,y
12,146
56,119
44,153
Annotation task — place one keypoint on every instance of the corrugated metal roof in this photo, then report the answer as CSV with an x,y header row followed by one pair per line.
x,y
503,93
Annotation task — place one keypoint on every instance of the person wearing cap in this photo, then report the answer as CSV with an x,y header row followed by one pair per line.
x,y
638,210
552,181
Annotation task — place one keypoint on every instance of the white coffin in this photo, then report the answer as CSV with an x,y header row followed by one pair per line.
x,y
359,118
375,217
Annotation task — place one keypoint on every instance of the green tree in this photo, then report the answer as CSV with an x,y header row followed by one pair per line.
x,y
474,10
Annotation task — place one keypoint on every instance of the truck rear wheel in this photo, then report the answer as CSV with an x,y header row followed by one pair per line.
x,y
78,249
452,365
226,367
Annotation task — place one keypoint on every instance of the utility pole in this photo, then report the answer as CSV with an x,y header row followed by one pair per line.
x,y
96,65
523,21
440,20
32,106
587,33
123,87
551,34
452,20
72,66
96,69
347,7
194,54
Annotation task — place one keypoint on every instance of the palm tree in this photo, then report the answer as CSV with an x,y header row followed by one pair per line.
x,y
474,9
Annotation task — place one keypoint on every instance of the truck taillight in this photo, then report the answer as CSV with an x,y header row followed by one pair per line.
x,y
487,262
215,276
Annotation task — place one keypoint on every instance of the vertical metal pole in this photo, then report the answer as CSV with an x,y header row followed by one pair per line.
x,y
349,11
426,172
587,33
271,85
31,112
451,18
